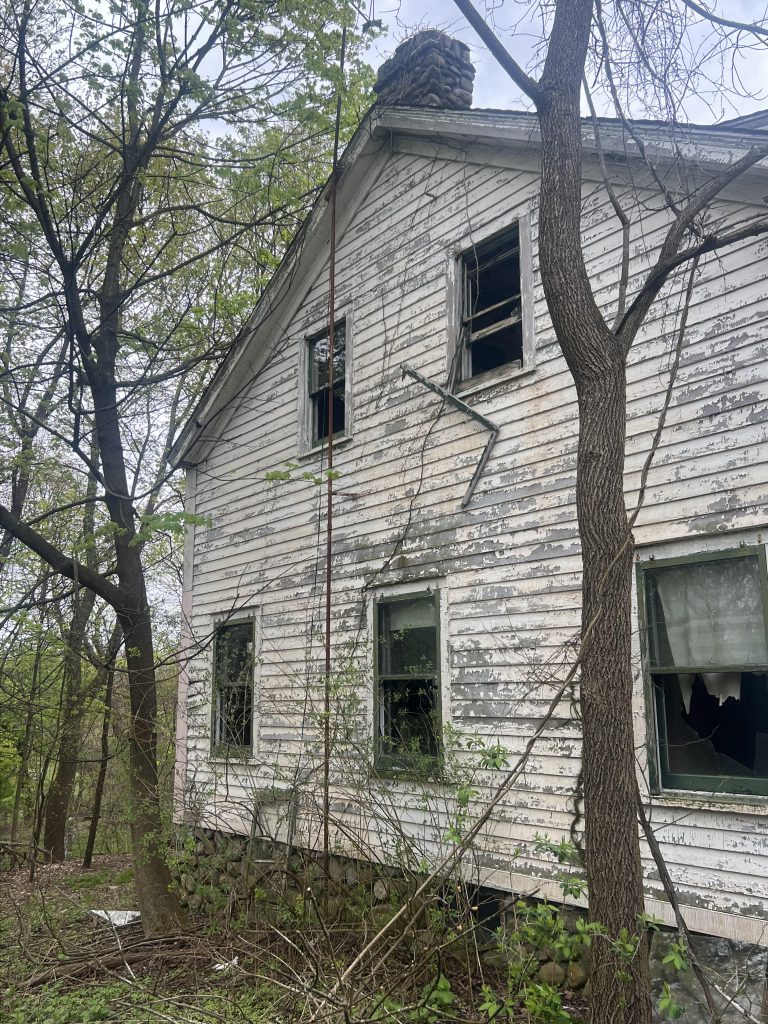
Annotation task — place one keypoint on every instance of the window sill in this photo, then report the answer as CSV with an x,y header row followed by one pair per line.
x,y
338,442
733,802
485,381
392,774
231,755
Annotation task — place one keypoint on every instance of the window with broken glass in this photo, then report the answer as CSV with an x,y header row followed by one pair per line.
x,y
407,690
233,662
706,619
492,322
322,396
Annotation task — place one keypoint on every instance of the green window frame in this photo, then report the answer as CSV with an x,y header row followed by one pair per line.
x,y
233,704
704,625
319,391
407,706
492,326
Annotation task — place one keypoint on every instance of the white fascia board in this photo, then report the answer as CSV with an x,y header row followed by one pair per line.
x,y
705,143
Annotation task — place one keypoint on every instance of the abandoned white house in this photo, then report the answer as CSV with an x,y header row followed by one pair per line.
x,y
455,554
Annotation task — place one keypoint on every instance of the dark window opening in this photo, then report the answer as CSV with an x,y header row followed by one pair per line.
x,y
407,690
492,326
709,665
233,685
322,397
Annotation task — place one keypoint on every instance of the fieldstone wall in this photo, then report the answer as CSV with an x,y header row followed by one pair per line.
x,y
217,874
428,70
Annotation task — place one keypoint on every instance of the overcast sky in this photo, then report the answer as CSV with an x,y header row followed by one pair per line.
x,y
492,86
520,35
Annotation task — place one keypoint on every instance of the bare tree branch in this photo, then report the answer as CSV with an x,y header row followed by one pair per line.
x,y
521,79
741,26
61,563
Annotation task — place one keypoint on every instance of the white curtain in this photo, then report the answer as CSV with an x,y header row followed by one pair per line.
x,y
714,617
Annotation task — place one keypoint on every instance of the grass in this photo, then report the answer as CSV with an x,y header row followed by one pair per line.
x,y
46,922
91,881
59,966
126,1002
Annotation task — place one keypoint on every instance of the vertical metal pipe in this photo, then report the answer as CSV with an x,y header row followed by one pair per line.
x,y
329,492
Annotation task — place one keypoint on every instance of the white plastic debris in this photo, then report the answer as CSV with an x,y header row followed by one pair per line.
x,y
116,918
227,965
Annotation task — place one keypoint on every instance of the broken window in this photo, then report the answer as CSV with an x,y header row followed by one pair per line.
x,y
707,619
407,683
492,321
233,662
326,398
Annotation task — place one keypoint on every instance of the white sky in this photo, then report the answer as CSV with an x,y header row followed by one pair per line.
x,y
513,24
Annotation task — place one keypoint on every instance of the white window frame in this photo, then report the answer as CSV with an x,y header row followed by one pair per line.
x,y
311,331
439,587
219,752
674,552
457,354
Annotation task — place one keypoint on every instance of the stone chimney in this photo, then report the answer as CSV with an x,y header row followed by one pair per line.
x,y
428,70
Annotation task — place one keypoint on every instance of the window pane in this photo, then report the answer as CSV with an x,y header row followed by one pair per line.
x,y
234,653
233,684
493,288
408,722
704,614
320,413
493,330
717,734
407,637
235,716
497,349
318,362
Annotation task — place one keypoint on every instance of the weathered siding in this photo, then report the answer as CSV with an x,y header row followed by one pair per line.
x,y
509,563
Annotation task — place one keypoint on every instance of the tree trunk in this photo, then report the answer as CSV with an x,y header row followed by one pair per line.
x,y
26,744
161,912
60,795
70,735
103,765
597,361
620,980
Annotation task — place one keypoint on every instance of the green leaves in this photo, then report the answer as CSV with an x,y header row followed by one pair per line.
x,y
281,476
167,522
678,956
668,1004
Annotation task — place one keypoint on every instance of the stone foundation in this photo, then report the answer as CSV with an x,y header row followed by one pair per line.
x,y
258,881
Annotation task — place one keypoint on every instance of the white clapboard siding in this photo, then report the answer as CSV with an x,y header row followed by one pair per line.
x,y
508,564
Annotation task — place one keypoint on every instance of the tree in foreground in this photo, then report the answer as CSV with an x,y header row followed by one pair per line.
x,y
129,198
641,60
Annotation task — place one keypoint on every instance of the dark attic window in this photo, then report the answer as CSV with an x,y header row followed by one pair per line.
x,y
707,621
233,663
321,395
492,323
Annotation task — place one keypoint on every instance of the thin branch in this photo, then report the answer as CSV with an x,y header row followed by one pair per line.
x,y
741,26
60,562
670,257
521,79
669,889
618,209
